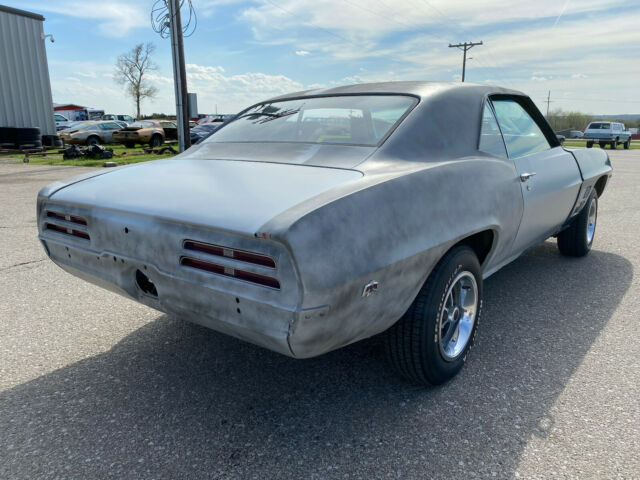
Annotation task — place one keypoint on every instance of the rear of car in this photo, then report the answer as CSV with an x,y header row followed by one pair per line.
x,y
207,264
607,133
141,132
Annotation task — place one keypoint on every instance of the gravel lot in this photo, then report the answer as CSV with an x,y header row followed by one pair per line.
x,y
96,386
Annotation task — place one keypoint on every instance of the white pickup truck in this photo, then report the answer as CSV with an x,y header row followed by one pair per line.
x,y
607,133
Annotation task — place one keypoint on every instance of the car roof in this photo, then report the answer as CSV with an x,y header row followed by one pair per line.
x,y
418,88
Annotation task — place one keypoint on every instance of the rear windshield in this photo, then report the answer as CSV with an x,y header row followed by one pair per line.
x,y
345,120
142,124
599,126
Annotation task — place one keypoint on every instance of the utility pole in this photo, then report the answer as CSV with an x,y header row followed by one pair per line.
x,y
464,47
548,102
179,74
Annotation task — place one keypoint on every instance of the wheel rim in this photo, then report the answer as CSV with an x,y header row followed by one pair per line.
x,y
591,221
458,316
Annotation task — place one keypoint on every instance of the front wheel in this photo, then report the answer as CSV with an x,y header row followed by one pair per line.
x,y
589,144
93,141
627,144
430,343
156,141
576,240
614,145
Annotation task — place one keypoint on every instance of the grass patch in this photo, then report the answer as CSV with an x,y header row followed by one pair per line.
x,y
55,158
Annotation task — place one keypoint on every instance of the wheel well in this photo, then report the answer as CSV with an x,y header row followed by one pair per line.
x,y
480,243
600,184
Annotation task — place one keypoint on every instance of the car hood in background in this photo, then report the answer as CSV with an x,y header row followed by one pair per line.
x,y
232,195
324,155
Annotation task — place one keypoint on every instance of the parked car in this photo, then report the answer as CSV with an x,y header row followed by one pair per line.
x,y
607,133
203,131
90,133
62,122
317,219
128,119
152,132
218,117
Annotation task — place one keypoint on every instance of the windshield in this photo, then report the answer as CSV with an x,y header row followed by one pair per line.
x,y
82,126
599,126
345,120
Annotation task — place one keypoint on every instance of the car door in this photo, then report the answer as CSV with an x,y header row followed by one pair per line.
x,y
549,175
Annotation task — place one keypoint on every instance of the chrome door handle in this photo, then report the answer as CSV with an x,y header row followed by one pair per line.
x,y
526,176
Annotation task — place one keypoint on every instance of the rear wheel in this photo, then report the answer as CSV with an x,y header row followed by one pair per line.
x,y
589,144
602,144
576,240
614,144
430,343
627,144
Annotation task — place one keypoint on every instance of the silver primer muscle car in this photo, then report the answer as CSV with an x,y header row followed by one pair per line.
x,y
320,218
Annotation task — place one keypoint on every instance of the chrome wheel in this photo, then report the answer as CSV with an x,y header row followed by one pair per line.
x,y
591,221
458,316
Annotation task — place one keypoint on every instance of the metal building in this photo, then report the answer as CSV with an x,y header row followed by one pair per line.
x,y
25,88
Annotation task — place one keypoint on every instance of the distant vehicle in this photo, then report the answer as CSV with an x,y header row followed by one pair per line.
x,y
202,131
62,122
90,133
570,133
152,132
607,133
218,117
128,119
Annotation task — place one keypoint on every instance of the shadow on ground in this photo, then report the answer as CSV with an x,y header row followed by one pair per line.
x,y
175,400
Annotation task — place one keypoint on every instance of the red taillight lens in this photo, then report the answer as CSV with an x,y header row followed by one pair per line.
x,y
231,272
240,255
67,231
67,218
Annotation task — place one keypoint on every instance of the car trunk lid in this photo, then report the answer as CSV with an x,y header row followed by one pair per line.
x,y
237,196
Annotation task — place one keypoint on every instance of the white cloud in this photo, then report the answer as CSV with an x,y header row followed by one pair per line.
x,y
115,18
538,79
302,53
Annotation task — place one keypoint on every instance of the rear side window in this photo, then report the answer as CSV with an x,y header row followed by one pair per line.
x,y
490,137
599,126
521,133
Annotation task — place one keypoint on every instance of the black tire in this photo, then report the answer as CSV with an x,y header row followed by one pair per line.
x,y
28,136
129,144
413,343
8,137
51,140
156,141
35,145
93,140
614,144
589,144
602,145
576,241
627,144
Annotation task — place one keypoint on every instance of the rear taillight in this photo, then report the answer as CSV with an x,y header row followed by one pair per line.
x,y
68,218
239,255
64,229
210,267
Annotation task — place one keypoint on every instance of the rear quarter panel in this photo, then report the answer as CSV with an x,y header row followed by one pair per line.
x,y
393,230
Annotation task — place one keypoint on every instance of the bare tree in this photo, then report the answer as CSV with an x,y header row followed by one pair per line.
x,y
131,68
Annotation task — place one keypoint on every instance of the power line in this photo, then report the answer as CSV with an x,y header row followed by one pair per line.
x,y
466,46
